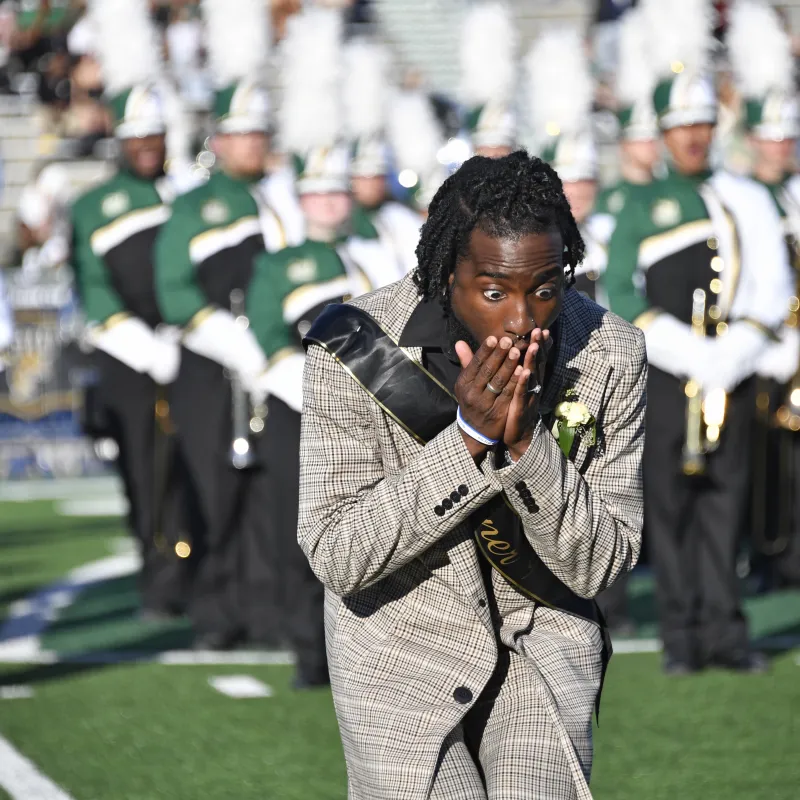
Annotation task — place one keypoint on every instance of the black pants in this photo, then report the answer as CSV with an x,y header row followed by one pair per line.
x,y
694,524
126,404
236,587
302,595
775,512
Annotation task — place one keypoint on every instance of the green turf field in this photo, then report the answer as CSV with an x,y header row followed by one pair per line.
x,y
37,546
146,731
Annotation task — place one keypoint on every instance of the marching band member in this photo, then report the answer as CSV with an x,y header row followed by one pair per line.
x,y
699,264
204,259
114,228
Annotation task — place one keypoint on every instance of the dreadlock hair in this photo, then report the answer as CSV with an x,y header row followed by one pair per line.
x,y
506,198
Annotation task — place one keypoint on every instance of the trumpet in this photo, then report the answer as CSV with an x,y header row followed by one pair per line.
x,y
246,419
705,415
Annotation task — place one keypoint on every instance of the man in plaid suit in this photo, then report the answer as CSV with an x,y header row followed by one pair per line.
x,y
458,544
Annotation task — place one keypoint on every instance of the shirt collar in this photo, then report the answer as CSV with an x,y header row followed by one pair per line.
x,y
426,327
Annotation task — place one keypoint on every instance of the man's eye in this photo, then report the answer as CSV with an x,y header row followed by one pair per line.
x,y
493,294
545,293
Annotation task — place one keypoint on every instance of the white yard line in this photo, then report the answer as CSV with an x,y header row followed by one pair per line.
x,y
60,489
624,646
22,780
29,653
243,657
113,506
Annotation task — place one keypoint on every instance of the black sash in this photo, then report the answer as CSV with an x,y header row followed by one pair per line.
x,y
419,403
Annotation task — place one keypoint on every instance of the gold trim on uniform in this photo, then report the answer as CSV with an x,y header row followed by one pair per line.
x,y
123,227
210,242
283,241
654,248
114,320
281,355
647,318
304,298
198,319
731,272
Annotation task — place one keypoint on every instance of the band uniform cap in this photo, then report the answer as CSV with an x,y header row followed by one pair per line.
x,y
426,187
573,156
685,99
638,122
242,107
370,157
775,117
492,125
322,170
138,112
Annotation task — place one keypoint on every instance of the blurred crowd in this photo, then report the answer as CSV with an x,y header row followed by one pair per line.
x,y
48,49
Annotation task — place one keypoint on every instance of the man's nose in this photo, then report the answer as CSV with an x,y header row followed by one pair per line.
x,y
521,324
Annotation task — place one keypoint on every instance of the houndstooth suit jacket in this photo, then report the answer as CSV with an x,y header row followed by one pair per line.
x,y
410,638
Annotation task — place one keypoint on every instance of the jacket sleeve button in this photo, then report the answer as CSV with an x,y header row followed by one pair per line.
x,y
439,511
462,695
520,486
463,491
455,497
447,503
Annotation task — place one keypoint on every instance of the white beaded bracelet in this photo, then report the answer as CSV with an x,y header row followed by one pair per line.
x,y
470,431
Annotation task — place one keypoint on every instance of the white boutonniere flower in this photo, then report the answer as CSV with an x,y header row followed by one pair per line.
x,y
573,418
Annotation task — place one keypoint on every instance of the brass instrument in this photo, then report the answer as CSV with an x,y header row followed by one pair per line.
x,y
246,419
705,415
163,478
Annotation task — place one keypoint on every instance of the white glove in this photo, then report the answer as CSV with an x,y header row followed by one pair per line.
x,y
733,357
781,359
129,341
54,251
167,355
673,348
220,338
283,380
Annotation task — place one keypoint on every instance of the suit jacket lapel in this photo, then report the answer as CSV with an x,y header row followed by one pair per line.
x,y
580,365
564,350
